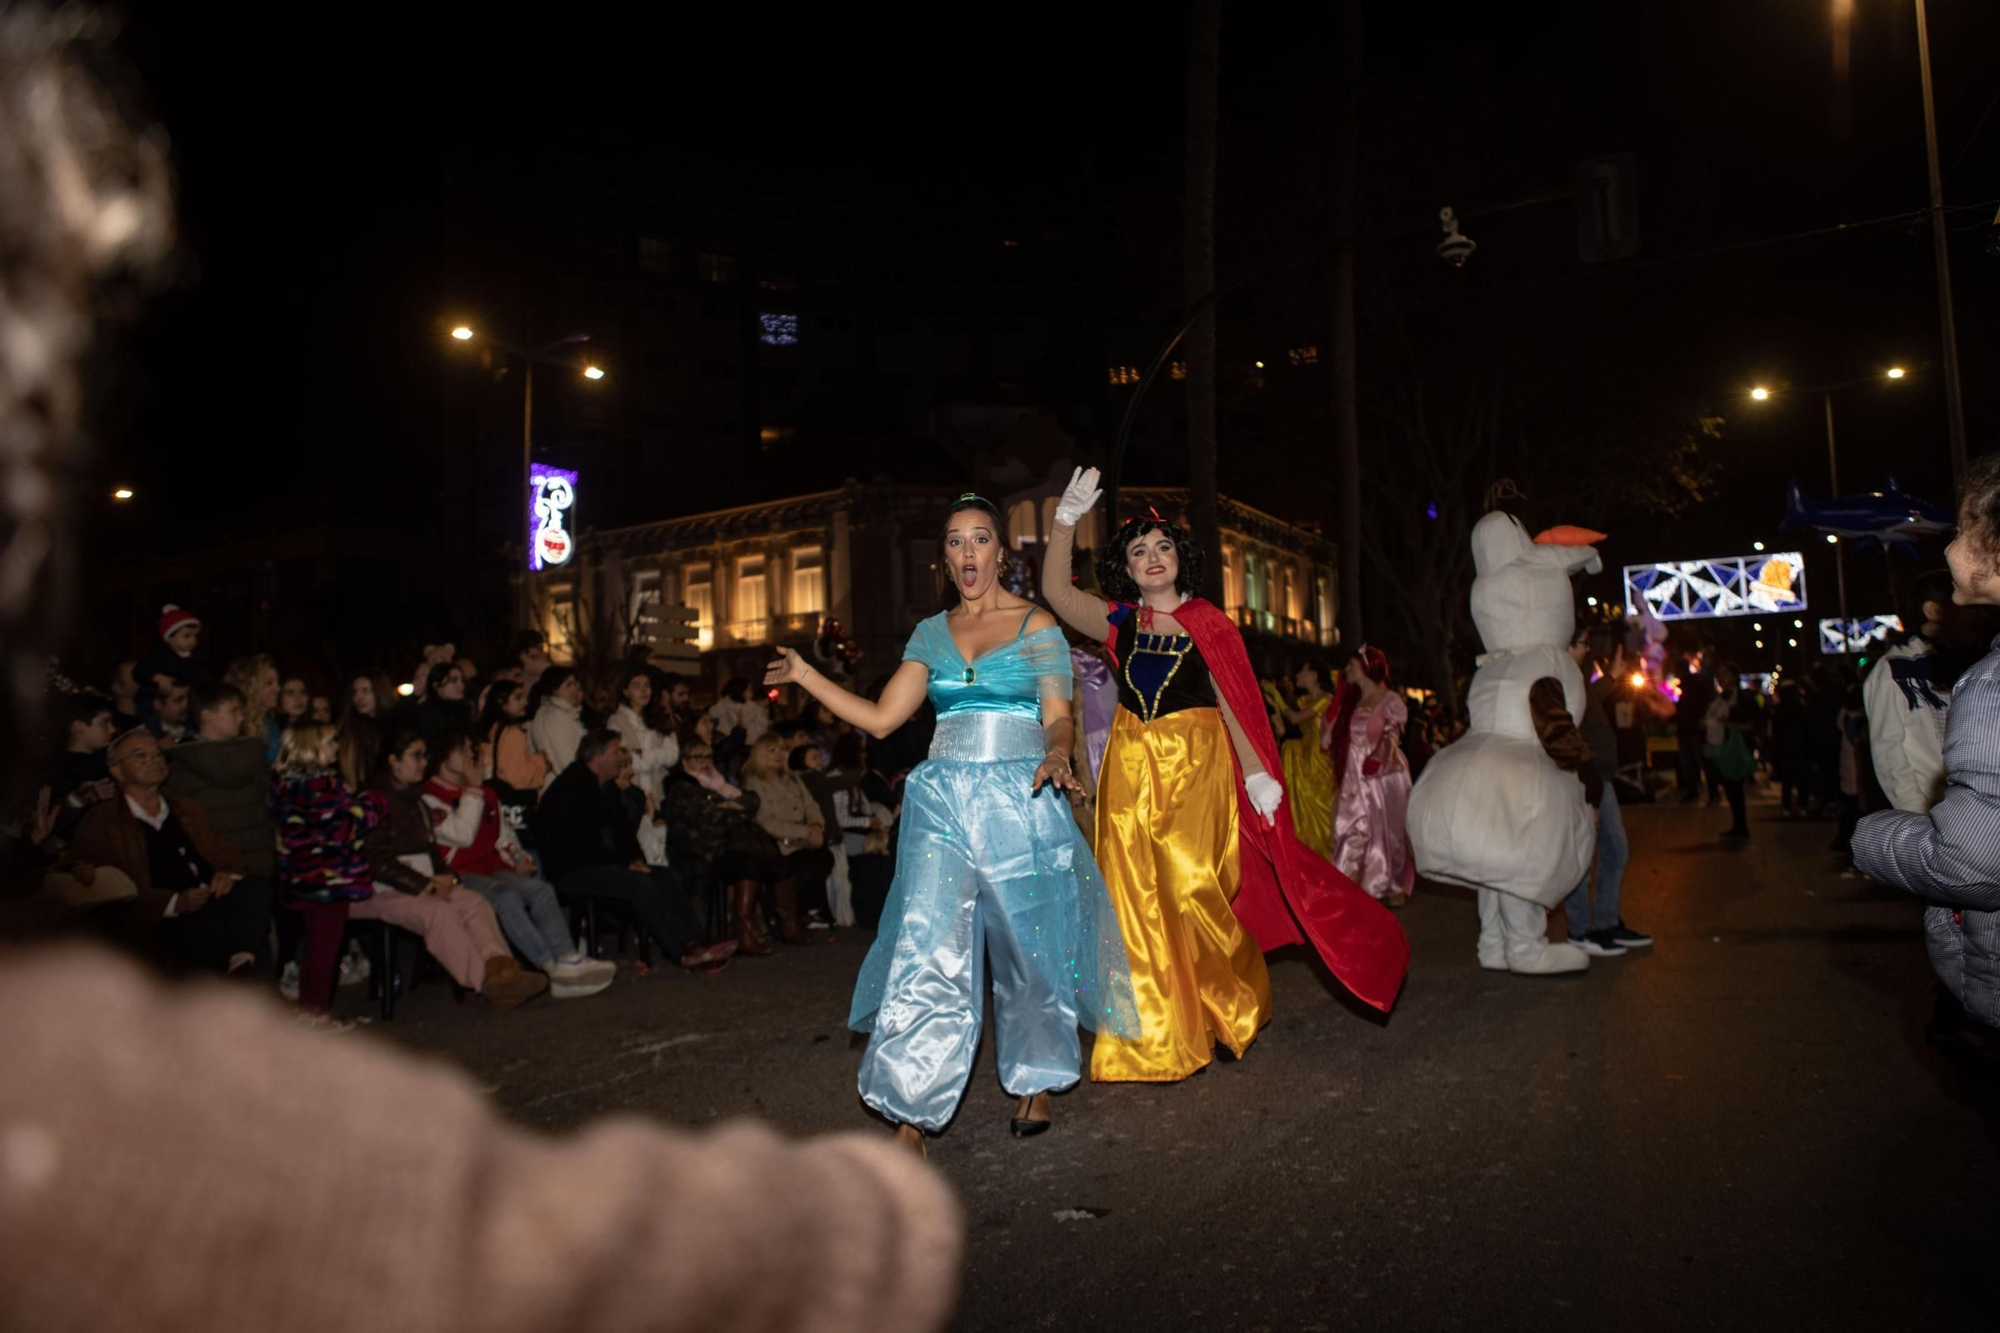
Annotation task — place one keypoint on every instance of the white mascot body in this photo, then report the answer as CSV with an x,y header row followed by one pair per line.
x,y
1492,811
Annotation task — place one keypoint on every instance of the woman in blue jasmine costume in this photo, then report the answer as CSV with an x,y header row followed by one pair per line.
x,y
990,867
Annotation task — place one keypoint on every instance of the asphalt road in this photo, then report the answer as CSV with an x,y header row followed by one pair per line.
x,y
1742,1127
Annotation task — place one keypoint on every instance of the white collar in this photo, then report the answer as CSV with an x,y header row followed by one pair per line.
x,y
155,822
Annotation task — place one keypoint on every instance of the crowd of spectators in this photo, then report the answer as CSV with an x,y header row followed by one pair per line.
x,y
238,821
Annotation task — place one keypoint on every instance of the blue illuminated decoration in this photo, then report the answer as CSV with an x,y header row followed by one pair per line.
x,y
1740,585
1432,512
551,503
1857,636
778,330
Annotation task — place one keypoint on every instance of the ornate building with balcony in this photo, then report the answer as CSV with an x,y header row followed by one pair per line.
x,y
866,554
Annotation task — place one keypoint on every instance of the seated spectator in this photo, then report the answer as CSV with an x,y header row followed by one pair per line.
x,y
715,837
642,812
79,777
294,702
125,696
677,713
864,829
370,697
555,712
740,722
788,812
225,772
588,850
516,772
477,846
443,707
172,659
256,680
168,718
194,911
652,752
322,871
412,891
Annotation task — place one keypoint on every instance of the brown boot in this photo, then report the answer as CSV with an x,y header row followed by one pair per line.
x,y
508,986
786,892
749,935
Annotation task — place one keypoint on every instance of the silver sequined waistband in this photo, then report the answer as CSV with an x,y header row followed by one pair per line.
x,y
986,738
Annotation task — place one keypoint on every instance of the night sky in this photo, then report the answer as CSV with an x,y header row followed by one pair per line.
x,y
297,356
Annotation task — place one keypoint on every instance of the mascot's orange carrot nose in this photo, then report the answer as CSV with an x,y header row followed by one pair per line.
x,y
1565,534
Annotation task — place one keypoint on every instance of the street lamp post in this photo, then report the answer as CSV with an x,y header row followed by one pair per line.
x,y
1954,400
1826,391
531,357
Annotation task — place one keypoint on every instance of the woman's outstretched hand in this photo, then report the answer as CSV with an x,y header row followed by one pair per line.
x,y
789,668
1055,771
1079,497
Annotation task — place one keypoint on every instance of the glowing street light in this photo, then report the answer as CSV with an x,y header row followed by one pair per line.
x,y
1895,372
406,689
1756,546
1760,393
462,333
122,493
1590,601
1832,538
1793,642
592,373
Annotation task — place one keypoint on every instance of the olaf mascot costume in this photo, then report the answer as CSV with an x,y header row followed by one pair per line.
x,y
1495,811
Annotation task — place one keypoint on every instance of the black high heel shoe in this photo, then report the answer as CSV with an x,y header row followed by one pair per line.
x,y
1027,1126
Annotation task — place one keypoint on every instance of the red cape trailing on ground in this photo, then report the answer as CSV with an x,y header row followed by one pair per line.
x,y
1290,895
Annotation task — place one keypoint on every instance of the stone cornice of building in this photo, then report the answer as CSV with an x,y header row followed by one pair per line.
x,y
1243,518
771,517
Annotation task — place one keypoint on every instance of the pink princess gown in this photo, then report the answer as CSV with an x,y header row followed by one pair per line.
x,y
1371,845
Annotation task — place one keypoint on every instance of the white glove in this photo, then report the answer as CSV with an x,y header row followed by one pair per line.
x,y
1080,497
1265,793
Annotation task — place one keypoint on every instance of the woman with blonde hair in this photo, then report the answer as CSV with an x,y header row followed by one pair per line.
x,y
791,814
256,679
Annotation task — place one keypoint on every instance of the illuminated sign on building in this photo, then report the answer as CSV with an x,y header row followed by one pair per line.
x,y
551,505
1737,585
1857,636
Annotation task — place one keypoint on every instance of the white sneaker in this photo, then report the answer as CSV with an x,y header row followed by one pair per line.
x,y
582,967
354,969
288,982
576,990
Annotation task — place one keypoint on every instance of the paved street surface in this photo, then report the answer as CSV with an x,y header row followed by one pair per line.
x,y
1740,1128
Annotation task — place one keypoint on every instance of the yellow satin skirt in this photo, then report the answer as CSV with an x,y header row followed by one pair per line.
x,y
1166,842
1309,781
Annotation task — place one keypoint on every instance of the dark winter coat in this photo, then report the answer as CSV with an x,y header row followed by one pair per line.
x,y
232,782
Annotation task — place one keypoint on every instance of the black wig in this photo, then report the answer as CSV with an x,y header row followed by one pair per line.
x,y
1115,583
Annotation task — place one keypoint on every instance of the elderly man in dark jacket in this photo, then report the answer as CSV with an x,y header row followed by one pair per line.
x,y
195,910
589,850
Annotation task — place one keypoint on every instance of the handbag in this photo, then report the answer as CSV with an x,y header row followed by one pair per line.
x,y
1732,759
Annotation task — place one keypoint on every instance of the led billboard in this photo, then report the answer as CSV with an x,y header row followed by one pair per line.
x,y
1772,583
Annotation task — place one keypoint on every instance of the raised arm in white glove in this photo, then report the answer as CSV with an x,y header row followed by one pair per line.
x,y
1079,497
1265,793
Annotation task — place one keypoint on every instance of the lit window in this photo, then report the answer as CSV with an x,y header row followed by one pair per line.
x,y
1303,356
698,588
753,605
778,330
1232,578
1124,374
645,594
808,581
716,266
1324,590
1178,370
775,435
1295,601
1021,522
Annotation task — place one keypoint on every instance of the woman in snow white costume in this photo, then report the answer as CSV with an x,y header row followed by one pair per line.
x,y
1193,830
990,865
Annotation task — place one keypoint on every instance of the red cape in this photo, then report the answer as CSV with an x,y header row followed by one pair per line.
x,y
1288,894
